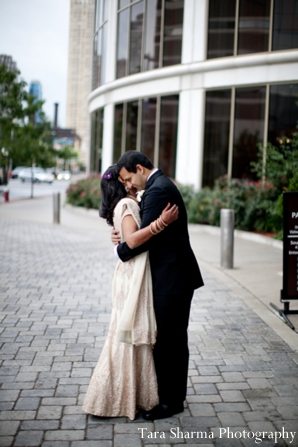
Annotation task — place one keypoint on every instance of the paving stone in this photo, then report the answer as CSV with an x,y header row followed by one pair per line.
x,y
100,432
40,425
27,403
232,396
6,441
28,438
75,422
65,435
9,427
49,412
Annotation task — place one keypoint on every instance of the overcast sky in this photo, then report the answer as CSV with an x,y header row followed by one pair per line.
x,y
35,34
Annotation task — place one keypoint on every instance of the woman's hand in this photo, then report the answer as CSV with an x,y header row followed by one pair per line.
x,y
170,214
115,237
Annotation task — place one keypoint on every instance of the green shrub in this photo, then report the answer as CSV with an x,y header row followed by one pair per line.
x,y
85,193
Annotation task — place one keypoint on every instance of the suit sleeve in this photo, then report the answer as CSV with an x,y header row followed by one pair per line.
x,y
155,200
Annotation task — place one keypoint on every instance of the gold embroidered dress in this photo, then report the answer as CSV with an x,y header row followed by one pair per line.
x,y
124,378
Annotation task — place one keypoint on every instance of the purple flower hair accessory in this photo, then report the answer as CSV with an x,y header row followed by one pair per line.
x,y
107,176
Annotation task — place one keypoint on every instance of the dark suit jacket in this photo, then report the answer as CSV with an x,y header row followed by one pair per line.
x,y
173,265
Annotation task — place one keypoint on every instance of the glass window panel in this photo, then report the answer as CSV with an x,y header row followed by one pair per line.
x,y
221,28
98,18
152,35
148,127
248,129
123,3
122,43
131,125
253,27
283,111
105,10
217,131
173,28
168,134
104,53
136,28
285,25
93,141
97,60
118,122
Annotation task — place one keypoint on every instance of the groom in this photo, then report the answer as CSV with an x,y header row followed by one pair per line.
x,y
175,276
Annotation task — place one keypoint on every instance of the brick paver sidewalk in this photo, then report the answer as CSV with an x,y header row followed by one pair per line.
x,y
55,307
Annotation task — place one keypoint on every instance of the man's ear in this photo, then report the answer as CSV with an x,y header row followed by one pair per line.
x,y
140,169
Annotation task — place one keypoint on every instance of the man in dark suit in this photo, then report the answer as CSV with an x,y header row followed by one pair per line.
x,y
175,276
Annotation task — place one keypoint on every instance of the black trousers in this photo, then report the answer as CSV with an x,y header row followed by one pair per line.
x,y
170,352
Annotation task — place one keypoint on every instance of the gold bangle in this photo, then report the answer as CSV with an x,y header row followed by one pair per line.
x,y
158,224
155,226
151,231
166,225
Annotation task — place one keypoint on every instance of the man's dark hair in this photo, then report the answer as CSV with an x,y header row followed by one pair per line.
x,y
112,191
131,159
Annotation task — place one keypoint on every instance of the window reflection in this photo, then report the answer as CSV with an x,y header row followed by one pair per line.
x,y
122,44
173,28
248,129
152,35
283,111
221,28
216,142
96,140
127,123
135,46
168,134
99,44
285,25
132,125
148,127
253,26
118,122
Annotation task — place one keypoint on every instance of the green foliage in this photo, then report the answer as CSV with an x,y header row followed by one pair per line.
x,y
281,162
24,139
85,193
251,201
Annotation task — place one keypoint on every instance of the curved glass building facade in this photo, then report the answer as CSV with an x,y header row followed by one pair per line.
x,y
193,84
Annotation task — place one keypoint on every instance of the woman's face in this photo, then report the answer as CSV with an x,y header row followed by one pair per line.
x,y
132,190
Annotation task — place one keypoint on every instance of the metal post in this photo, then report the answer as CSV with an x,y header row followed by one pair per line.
x,y
227,220
56,207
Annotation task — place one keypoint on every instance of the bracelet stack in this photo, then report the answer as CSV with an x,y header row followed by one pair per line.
x,y
158,226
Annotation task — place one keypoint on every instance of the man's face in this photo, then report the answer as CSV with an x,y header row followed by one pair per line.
x,y
134,179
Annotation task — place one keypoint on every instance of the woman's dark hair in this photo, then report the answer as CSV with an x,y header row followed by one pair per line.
x,y
112,191
131,159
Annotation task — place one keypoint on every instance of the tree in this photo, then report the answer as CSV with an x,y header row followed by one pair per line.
x,y
66,154
22,137
12,95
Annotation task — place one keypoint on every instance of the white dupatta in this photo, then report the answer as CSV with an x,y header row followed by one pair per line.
x,y
141,329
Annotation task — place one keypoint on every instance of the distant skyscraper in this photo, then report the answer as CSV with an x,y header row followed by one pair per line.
x,y
36,91
80,71
8,61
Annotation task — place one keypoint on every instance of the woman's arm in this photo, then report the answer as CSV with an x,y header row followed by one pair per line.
x,y
134,237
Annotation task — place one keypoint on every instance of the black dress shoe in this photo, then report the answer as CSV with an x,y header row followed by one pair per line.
x,y
162,411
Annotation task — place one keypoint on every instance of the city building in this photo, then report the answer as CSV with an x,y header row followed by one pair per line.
x,y
80,72
196,85
9,62
36,91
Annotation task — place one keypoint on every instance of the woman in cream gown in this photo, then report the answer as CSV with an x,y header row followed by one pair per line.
x,y
124,378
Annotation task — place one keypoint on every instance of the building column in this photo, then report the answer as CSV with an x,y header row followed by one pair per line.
x,y
194,31
189,160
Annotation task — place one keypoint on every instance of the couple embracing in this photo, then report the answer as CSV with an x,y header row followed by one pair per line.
x,y
144,361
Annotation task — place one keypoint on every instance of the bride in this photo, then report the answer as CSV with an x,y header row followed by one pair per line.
x,y
124,378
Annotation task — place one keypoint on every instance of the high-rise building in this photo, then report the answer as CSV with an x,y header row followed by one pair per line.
x,y
196,85
9,62
80,72
36,91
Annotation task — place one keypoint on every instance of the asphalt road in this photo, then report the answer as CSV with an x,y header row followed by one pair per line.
x,y
20,190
